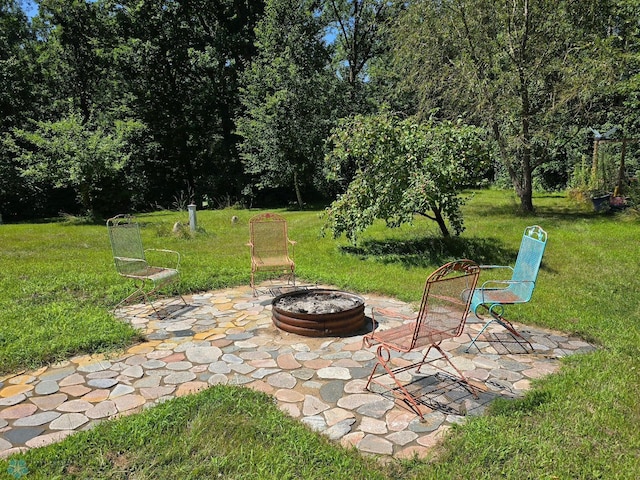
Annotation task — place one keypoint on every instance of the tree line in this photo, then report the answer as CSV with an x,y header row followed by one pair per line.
x,y
111,106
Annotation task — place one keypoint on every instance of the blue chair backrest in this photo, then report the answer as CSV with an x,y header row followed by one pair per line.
x,y
525,271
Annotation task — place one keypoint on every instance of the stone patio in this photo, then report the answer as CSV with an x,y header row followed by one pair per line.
x,y
227,337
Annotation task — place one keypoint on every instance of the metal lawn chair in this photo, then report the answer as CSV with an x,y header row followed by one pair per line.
x,y
491,297
130,261
442,315
269,244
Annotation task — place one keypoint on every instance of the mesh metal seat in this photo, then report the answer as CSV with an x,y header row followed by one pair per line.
x,y
442,315
491,297
130,260
271,248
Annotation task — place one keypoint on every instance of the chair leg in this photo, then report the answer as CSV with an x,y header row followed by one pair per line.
x,y
510,328
148,300
291,276
139,293
383,359
252,283
495,317
473,342
473,389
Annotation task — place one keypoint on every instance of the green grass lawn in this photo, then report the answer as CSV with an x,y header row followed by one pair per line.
x,y
58,283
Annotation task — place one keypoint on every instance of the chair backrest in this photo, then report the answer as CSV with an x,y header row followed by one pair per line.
x,y
525,271
445,302
126,245
269,235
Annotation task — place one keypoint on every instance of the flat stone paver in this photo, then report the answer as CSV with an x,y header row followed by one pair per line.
x,y
227,337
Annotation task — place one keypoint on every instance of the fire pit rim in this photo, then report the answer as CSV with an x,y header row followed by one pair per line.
x,y
339,323
300,293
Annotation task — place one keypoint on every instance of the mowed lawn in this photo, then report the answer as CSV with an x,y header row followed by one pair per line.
x,y
58,284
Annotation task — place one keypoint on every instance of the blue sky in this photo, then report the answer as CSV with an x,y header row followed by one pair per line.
x,y
30,7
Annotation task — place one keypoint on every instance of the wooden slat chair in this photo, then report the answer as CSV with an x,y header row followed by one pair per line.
x,y
271,248
442,315
491,297
130,261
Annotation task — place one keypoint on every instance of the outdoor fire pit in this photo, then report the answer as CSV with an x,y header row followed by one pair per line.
x,y
318,313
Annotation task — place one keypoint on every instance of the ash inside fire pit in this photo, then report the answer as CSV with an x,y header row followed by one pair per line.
x,y
318,312
317,303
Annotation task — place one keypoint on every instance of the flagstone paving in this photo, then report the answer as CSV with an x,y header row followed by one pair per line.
x,y
227,337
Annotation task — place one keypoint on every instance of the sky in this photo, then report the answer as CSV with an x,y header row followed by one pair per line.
x,y
29,7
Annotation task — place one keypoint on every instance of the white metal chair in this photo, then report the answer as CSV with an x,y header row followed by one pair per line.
x,y
131,261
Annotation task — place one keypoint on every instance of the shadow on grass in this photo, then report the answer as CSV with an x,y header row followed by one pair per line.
x,y
428,251
566,212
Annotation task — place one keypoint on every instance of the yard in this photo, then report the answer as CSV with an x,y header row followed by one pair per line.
x,y
59,282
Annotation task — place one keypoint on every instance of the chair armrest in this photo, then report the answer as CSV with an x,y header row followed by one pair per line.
x,y
368,339
488,267
250,245
170,252
495,284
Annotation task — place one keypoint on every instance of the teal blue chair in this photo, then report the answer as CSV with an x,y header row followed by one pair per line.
x,y
488,300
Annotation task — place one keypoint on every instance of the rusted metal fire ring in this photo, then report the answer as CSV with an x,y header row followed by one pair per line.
x,y
328,324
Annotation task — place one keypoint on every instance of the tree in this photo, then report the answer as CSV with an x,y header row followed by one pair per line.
x,y
508,66
403,168
15,42
71,153
181,63
75,41
287,96
356,28
69,148
611,46
19,88
171,65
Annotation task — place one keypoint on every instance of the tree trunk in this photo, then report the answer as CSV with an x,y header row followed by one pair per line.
x,y
441,223
525,191
296,185
621,171
526,195
85,199
522,183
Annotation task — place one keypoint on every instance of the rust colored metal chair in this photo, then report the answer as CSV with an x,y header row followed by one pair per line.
x,y
491,297
131,262
442,315
271,248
